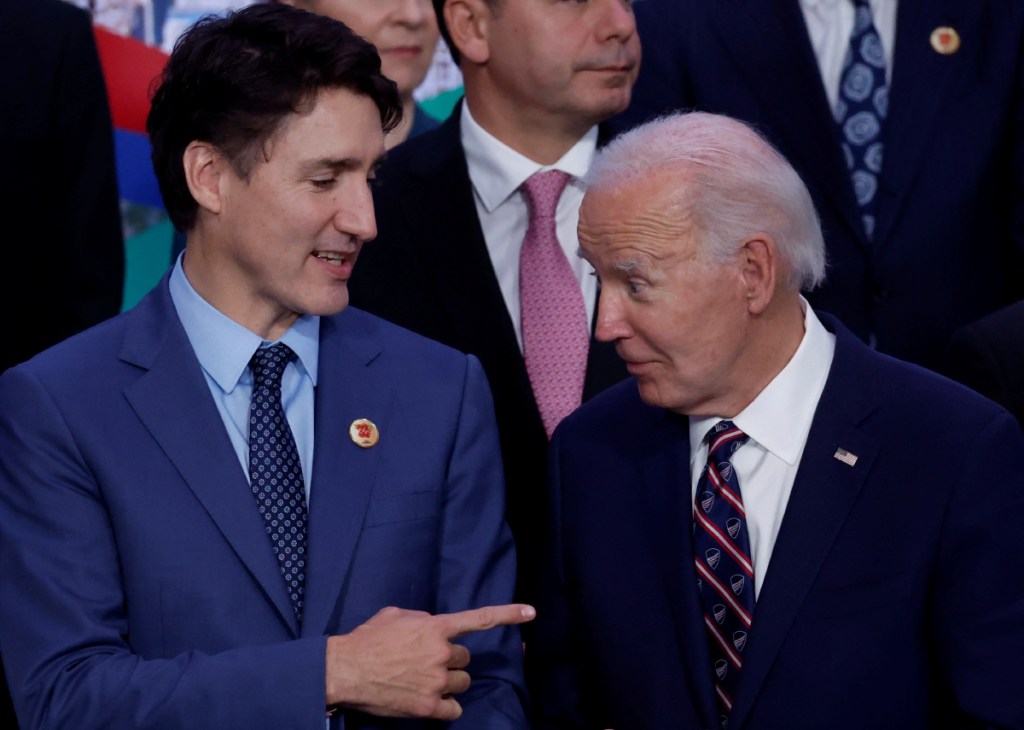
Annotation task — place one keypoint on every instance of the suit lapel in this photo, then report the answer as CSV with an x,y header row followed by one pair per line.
x,y
666,479
823,494
343,473
454,254
172,399
771,49
913,105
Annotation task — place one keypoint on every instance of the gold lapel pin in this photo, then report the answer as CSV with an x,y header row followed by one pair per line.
x,y
845,456
945,40
363,432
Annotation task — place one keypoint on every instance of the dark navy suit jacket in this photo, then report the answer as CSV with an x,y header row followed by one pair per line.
x,y
988,355
63,247
429,270
137,585
949,240
893,598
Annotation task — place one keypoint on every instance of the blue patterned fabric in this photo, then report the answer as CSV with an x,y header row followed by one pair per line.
x,y
725,572
275,472
861,109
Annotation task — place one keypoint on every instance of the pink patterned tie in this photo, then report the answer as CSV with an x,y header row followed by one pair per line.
x,y
554,319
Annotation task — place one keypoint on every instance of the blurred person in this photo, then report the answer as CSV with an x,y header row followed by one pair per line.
x,y
906,120
769,525
988,356
59,178
405,34
239,504
477,241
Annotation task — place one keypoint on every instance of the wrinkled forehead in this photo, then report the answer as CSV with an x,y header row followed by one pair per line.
x,y
651,212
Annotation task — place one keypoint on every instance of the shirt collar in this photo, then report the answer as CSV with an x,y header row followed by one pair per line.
x,y
811,4
496,170
223,346
779,418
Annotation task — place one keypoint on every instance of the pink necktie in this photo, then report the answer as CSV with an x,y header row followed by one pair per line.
x,y
554,319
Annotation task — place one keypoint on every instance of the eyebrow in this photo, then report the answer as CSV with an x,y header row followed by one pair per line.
x,y
337,165
629,266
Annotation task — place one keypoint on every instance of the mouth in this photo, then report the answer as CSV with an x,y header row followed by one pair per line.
x,y
403,51
338,262
332,257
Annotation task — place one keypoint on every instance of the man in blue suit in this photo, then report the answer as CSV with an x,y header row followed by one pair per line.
x,y
240,504
948,240
770,526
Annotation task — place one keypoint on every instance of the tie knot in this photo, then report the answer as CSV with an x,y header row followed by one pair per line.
x,y
268,364
542,191
723,439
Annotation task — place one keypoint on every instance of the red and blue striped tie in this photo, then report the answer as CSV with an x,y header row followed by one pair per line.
x,y
725,572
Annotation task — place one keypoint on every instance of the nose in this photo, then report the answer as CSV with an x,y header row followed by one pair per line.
x,y
355,215
413,13
611,324
618,21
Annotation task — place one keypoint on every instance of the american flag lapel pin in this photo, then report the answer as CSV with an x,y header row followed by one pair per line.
x,y
845,456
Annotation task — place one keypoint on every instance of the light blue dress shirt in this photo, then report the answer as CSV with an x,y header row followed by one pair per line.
x,y
224,348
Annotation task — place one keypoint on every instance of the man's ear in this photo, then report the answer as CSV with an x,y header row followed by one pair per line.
x,y
204,171
760,270
468,22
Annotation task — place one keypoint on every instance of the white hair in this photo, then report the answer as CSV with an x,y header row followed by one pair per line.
x,y
736,184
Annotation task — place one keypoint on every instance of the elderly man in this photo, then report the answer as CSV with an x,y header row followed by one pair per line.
x,y
770,525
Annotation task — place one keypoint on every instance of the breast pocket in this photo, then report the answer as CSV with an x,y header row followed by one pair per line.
x,y
403,508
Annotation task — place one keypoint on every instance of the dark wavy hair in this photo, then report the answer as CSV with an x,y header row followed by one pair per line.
x,y
231,80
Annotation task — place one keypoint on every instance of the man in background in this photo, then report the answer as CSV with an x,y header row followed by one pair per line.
x,y
906,120
477,240
57,179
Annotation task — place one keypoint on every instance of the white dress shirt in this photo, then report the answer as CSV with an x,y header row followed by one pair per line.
x,y
777,422
829,24
496,172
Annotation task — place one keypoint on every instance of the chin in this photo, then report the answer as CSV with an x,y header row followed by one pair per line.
x,y
329,306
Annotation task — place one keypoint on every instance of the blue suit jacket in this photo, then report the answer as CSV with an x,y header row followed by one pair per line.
x,y
893,598
949,239
138,584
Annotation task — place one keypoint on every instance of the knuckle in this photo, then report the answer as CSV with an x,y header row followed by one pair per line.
x,y
487,618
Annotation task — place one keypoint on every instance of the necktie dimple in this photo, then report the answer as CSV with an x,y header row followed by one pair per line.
x,y
275,473
556,337
725,572
861,109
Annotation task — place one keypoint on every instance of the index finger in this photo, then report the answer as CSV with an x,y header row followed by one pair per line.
x,y
486,617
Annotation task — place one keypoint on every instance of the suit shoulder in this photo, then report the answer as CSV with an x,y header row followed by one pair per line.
x,y
399,340
72,358
928,403
620,406
1000,330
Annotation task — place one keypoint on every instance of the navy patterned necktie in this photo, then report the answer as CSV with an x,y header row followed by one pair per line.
x,y
725,572
861,109
275,473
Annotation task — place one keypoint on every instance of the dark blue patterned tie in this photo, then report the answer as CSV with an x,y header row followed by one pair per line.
x,y
861,108
725,573
275,472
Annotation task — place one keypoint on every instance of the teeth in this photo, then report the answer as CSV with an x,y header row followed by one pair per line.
x,y
330,256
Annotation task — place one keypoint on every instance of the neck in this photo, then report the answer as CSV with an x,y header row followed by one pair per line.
x,y
775,336
535,135
401,132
